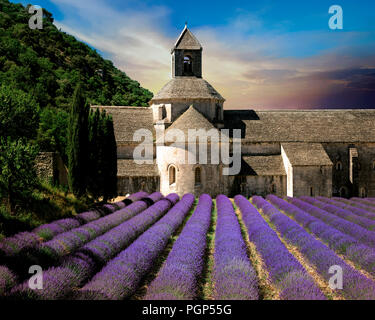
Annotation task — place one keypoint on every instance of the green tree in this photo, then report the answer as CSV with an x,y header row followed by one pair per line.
x,y
18,176
110,190
52,132
19,114
78,143
94,187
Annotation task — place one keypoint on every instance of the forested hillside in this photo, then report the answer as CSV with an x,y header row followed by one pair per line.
x,y
49,63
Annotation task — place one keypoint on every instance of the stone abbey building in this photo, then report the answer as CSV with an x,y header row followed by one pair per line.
x,y
289,152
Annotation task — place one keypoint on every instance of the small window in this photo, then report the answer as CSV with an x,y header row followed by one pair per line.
x,y
343,193
188,65
172,175
363,193
198,176
311,191
338,165
273,188
217,112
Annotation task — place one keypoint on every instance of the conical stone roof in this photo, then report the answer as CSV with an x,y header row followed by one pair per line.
x,y
187,88
191,119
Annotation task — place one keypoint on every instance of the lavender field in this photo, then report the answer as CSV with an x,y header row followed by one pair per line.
x,y
156,247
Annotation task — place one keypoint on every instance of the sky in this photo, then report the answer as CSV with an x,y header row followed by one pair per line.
x,y
257,54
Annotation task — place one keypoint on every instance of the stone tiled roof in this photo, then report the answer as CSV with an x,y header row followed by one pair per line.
x,y
306,154
187,41
127,167
191,119
262,166
127,120
187,88
303,125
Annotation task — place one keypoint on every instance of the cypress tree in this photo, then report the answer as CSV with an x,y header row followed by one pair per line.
x,y
93,162
78,143
101,155
111,160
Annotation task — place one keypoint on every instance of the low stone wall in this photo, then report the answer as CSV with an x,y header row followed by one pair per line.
x,y
126,185
50,167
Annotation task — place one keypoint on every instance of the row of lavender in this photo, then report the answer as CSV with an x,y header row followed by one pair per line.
x,y
82,252
94,228
75,269
15,244
321,257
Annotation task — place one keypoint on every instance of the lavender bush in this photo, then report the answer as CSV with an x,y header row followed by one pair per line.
x,y
76,269
363,235
355,285
112,242
360,254
178,278
7,280
364,201
342,213
121,276
233,275
68,242
344,205
286,273
353,203
13,245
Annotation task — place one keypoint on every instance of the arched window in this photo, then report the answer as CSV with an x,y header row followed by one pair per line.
x,y
273,188
343,193
363,193
338,165
198,176
188,65
172,175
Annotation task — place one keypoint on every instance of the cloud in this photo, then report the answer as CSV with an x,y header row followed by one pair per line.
x,y
250,65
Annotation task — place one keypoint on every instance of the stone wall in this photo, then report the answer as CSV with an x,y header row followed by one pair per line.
x,y
257,185
126,185
339,154
50,168
312,181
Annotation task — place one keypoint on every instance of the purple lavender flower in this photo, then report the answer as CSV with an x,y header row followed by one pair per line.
x,y
135,197
360,254
68,242
76,269
112,242
233,275
363,235
178,278
355,285
48,231
354,204
121,276
13,245
365,201
285,272
342,213
88,216
7,280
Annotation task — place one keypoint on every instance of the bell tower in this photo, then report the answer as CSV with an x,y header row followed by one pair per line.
x,y
187,56
187,87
